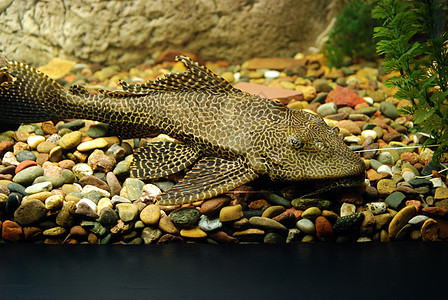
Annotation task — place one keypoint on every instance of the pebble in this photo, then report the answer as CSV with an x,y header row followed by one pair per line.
x,y
324,229
349,224
306,226
30,212
208,224
327,109
150,215
54,202
267,224
430,230
39,187
376,207
385,187
151,235
401,219
11,231
134,188
193,233
91,145
231,213
347,209
70,140
311,213
166,225
26,176
419,219
108,217
213,206
395,200
81,170
34,140
127,211
185,217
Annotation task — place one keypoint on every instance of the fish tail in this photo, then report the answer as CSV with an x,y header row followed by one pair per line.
x,y
27,95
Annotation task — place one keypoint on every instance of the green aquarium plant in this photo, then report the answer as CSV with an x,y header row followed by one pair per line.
x,y
414,41
352,34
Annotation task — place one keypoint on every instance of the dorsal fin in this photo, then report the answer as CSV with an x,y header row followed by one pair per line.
x,y
197,77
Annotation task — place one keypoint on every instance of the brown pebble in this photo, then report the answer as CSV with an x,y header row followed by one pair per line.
x,y
260,204
222,237
11,231
92,238
214,205
66,164
95,181
430,230
169,238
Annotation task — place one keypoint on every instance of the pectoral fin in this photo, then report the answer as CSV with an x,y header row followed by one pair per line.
x,y
161,159
209,177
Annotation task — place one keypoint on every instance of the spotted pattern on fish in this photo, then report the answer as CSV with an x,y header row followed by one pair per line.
x,y
228,137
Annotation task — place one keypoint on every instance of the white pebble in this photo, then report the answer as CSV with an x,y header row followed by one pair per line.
x,y
408,175
367,133
39,187
35,140
384,169
271,74
118,199
9,159
81,170
207,224
438,182
347,209
418,219
369,100
352,139
363,239
152,190
90,188
89,202
306,226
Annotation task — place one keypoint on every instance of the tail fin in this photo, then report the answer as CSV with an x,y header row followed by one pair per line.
x,y
26,94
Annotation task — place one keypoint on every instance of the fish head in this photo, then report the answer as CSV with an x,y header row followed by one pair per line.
x,y
301,147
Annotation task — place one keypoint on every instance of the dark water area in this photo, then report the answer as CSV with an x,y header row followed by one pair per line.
x,y
396,270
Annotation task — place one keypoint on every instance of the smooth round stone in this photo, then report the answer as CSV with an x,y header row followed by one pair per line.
x,y
306,226
45,147
80,170
127,211
273,211
352,139
51,169
66,216
389,110
18,188
207,224
134,188
384,169
151,235
85,211
98,130
401,219
430,230
267,224
375,164
419,219
30,212
193,233
55,231
39,187
213,206
34,140
368,111
408,175
54,202
108,217
12,203
311,213
91,145
118,199
231,213
367,133
70,140
104,202
27,176
274,238
25,155
150,215
327,109
185,217
438,183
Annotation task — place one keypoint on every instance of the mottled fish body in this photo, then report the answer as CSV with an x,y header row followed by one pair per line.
x,y
228,137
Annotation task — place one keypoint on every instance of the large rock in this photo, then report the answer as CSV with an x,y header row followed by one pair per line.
x,y
129,32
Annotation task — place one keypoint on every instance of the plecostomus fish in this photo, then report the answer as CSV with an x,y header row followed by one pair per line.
x,y
228,137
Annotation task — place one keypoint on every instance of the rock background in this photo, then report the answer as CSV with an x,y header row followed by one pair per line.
x,y
130,32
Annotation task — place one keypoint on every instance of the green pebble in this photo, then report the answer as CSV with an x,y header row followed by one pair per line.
x,y
395,200
275,199
122,168
304,203
27,176
368,111
349,224
134,188
98,130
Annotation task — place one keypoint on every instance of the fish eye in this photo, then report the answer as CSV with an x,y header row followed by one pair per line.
x,y
295,140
